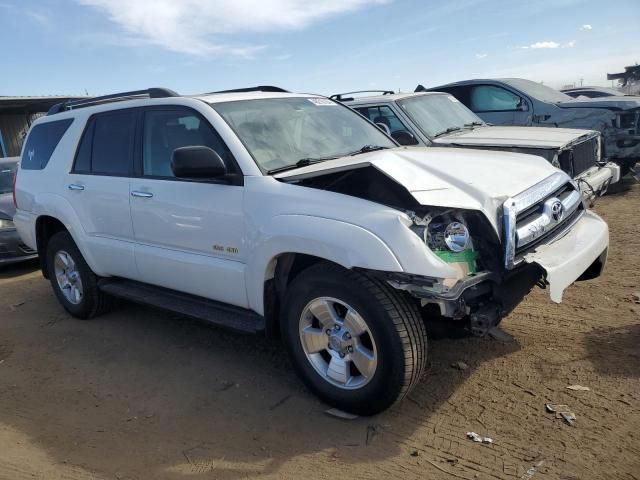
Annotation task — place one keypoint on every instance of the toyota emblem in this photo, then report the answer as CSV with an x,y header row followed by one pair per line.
x,y
557,210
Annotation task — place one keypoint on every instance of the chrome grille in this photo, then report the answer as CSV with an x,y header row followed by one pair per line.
x,y
539,214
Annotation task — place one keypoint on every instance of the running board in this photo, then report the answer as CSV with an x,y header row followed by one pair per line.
x,y
210,311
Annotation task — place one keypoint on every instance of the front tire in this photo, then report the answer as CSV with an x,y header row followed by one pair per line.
x,y
356,342
73,282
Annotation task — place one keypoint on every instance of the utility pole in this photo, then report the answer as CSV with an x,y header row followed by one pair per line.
x,y
581,80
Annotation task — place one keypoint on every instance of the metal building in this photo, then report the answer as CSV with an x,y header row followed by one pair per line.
x,y
16,116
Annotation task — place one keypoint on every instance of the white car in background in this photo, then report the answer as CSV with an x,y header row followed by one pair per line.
x,y
440,120
263,210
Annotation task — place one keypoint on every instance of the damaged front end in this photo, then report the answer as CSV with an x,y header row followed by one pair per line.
x,y
484,291
487,252
622,139
548,240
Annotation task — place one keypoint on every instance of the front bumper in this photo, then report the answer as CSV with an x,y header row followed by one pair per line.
x,y
12,250
595,181
565,260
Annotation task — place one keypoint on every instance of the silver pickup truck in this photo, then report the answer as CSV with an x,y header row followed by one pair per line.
x,y
440,120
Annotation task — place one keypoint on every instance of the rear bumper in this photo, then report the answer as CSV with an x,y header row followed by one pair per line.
x,y
12,250
583,249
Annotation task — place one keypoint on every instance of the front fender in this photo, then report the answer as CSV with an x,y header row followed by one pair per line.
x,y
336,241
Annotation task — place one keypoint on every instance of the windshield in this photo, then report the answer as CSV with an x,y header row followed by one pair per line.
x,y
537,90
435,114
279,132
7,171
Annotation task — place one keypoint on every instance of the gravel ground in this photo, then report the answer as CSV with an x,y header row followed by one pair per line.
x,y
141,394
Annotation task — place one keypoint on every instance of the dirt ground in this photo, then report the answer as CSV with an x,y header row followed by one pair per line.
x,y
142,394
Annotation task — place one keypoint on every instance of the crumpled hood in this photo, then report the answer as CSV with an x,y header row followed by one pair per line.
x,y
613,103
527,137
456,178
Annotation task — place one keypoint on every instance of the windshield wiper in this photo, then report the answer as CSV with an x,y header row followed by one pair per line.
x,y
448,130
303,162
367,148
474,124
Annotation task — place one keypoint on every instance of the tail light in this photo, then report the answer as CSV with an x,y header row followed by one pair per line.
x,y
15,178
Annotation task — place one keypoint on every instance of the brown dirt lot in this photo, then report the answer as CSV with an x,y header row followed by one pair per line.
x,y
142,394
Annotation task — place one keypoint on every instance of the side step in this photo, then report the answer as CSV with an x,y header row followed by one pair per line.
x,y
217,313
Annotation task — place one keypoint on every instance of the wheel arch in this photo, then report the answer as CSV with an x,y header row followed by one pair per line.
x,y
46,227
287,243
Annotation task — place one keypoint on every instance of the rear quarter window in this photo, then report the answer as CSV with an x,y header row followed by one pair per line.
x,y
41,142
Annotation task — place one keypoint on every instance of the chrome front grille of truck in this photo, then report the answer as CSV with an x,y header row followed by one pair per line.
x,y
542,213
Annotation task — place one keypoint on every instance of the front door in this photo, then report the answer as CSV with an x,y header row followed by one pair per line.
x,y
189,234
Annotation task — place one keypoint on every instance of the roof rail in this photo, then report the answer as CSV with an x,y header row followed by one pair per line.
x,y
115,97
260,88
340,97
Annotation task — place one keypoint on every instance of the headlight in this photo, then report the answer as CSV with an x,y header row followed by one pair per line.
x,y
450,240
456,237
7,225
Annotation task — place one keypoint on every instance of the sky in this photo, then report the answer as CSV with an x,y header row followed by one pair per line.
x,y
95,47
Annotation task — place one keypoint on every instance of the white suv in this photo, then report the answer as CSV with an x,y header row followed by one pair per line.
x,y
263,210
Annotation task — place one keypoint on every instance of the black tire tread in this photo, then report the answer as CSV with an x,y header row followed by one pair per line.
x,y
403,312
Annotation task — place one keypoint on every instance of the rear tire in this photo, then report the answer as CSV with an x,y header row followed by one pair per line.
x,y
374,356
73,282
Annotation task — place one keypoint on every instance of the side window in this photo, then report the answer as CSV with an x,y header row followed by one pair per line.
x,y
113,140
83,155
42,141
462,93
106,146
489,98
166,130
383,114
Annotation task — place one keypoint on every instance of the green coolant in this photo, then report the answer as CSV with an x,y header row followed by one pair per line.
x,y
467,257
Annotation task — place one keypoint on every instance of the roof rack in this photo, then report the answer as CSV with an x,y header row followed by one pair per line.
x,y
115,97
260,88
340,97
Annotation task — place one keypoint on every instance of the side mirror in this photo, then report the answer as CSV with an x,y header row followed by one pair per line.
x,y
197,162
384,127
404,138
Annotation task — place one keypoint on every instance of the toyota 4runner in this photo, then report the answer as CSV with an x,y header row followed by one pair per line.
x,y
267,211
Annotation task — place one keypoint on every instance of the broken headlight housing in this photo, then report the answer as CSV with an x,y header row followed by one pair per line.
x,y
448,237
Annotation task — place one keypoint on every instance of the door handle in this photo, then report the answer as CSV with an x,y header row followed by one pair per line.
x,y
74,186
141,194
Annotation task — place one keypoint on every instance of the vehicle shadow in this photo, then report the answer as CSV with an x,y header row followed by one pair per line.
x,y
17,269
141,393
614,351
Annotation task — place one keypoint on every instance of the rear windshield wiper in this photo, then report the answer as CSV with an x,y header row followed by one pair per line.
x,y
367,148
303,162
448,130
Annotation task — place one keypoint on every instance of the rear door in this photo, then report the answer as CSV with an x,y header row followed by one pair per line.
x,y
98,190
189,233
